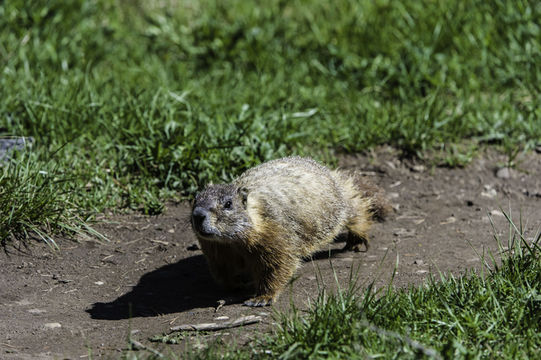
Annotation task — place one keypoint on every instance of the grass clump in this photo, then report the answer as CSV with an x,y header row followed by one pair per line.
x,y
493,315
36,201
153,100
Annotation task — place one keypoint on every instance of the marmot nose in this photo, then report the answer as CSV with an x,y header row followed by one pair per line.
x,y
198,216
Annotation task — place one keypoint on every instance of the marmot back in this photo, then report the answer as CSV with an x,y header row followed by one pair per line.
x,y
255,231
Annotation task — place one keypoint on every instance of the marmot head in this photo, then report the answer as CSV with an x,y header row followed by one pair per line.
x,y
219,213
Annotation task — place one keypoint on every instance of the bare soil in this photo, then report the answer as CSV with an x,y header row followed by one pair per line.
x,y
86,299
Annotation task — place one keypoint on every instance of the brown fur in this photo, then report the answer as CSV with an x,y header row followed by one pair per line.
x,y
255,231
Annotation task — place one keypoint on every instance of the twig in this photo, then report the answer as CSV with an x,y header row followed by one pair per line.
x,y
160,242
221,303
404,338
136,345
244,320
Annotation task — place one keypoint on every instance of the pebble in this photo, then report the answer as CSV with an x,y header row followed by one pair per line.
x,y
503,173
52,325
393,195
37,311
496,213
23,302
449,220
418,168
404,232
489,192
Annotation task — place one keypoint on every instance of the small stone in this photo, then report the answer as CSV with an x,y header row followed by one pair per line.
x,y
496,213
489,192
24,302
402,232
503,173
99,283
393,195
52,325
199,346
418,168
171,231
449,220
37,311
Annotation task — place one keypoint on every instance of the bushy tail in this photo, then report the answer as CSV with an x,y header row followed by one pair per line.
x,y
378,205
367,202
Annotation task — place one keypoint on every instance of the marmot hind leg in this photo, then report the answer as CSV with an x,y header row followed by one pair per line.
x,y
357,237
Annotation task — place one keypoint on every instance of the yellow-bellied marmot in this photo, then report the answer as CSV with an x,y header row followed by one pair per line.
x,y
255,231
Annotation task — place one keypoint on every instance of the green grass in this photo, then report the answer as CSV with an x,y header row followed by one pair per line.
x,y
491,314
37,201
151,100
132,103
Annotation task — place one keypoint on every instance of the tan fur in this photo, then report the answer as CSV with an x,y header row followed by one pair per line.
x,y
255,231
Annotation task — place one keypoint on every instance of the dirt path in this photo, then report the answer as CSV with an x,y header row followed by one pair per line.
x,y
74,302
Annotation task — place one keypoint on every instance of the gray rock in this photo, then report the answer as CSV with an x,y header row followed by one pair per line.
x,y
10,144
503,173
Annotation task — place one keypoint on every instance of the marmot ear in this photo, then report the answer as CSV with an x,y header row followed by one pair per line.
x,y
243,193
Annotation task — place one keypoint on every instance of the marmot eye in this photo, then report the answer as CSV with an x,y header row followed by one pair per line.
x,y
228,204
